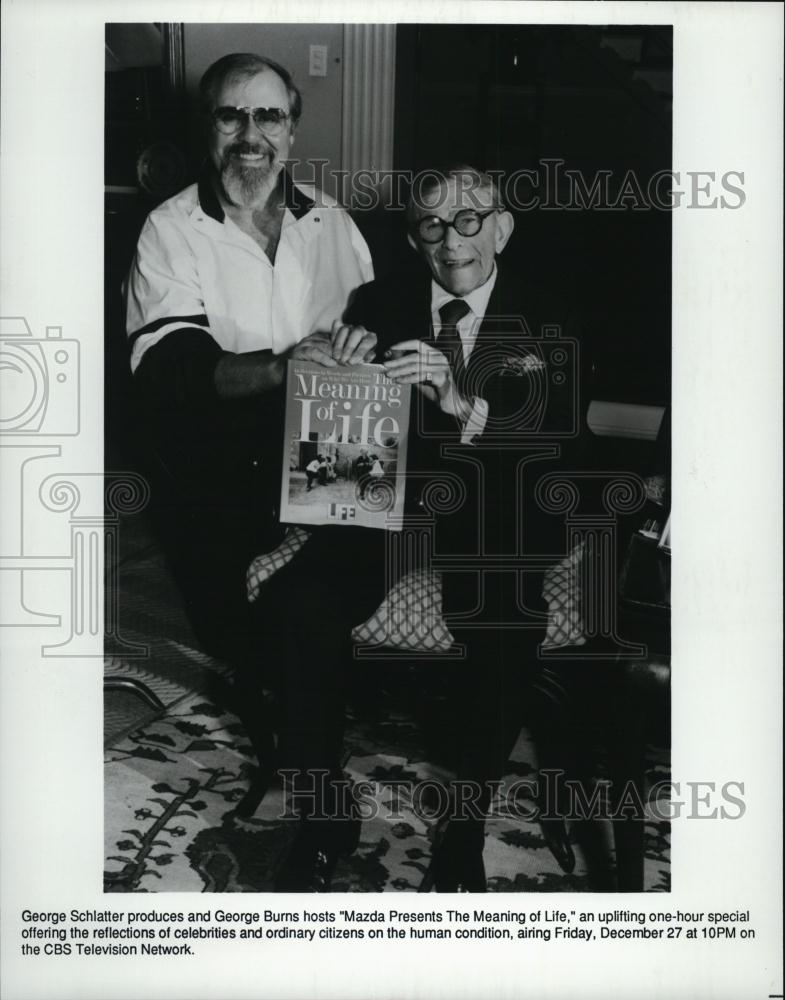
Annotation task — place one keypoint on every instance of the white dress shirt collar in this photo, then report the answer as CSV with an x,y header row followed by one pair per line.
x,y
476,300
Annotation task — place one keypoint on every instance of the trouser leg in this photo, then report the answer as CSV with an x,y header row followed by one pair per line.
x,y
306,613
491,693
492,685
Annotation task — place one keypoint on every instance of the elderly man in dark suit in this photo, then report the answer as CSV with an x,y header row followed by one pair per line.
x,y
486,419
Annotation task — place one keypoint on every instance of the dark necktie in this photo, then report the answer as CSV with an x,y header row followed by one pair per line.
x,y
449,340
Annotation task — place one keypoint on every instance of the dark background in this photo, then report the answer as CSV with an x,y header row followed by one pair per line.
x,y
507,97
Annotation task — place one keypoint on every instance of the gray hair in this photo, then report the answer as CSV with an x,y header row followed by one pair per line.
x,y
246,64
469,179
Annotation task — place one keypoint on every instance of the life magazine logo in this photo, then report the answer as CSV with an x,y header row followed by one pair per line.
x,y
56,525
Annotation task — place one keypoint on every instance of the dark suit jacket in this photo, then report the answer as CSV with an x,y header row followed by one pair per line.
x,y
525,364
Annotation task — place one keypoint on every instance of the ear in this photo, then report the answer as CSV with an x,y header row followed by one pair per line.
x,y
412,243
505,224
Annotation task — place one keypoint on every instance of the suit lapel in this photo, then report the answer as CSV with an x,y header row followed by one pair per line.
x,y
502,315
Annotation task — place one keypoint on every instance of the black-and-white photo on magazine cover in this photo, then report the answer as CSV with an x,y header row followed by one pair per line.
x,y
379,401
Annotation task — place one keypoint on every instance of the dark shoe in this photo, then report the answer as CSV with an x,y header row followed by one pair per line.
x,y
555,835
456,862
314,854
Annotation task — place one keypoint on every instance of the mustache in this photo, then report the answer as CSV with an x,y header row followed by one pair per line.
x,y
249,148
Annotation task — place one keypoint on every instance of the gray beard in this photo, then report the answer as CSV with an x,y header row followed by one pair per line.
x,y
247,186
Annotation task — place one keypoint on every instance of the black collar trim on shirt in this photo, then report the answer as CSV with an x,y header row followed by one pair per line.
x,y
298,203
208,199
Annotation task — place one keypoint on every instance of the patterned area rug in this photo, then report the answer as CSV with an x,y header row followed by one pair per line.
x,y
173,781
173,786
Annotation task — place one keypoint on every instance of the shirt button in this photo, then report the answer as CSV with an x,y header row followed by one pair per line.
x,y
317,219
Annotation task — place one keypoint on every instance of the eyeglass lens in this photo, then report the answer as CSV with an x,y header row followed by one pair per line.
x,y
432,229
231,120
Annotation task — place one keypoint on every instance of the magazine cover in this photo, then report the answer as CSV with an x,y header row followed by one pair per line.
x,y
344,446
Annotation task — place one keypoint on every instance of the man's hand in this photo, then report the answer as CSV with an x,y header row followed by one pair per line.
x,y
352,345
344,345
414,362
317,347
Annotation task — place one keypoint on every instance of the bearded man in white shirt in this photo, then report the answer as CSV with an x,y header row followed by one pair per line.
x,y
232,277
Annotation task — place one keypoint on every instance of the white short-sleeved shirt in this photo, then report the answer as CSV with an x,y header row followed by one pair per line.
x,y
194,268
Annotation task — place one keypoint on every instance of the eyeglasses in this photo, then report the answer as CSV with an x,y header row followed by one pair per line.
x,y
432,229
271,121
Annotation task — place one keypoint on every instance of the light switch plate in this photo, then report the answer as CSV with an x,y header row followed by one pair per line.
x,y
317,60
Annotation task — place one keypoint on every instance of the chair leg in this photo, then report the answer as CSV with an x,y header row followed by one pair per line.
x,y
628,841
627,766
135,686
627,769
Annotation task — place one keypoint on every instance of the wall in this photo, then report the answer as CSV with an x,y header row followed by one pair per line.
x,y
319,132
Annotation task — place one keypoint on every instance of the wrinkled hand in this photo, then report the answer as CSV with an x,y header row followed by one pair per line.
x,y
414,361
316,347
352,345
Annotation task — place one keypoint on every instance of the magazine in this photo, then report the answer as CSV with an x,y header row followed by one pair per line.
x,y
344,446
